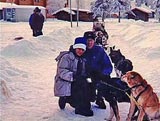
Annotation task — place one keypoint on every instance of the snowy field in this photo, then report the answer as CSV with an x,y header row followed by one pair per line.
x,y
28,66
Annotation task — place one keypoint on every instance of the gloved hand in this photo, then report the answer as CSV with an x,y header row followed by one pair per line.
x,y
89,80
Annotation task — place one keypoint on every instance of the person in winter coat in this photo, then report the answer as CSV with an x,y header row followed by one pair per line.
x,y
99,67
71,84
36,21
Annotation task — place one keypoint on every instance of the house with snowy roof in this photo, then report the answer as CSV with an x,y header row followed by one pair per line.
x,y
140,13
64,14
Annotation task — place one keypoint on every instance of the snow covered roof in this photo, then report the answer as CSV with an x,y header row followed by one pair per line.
x,y
73,9
23,6
3,5
64,9
84,10
146,7
143,9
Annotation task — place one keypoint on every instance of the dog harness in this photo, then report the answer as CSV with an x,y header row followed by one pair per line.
x,y
136,98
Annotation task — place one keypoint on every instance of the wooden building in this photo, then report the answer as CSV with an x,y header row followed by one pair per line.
x,y
84,15
64,14
139,13
27,2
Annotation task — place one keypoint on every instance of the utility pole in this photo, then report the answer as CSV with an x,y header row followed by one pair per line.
x,y
70,13
103,12
119,13
77,12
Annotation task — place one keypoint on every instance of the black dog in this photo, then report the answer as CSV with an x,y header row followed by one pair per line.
x,y
121,64
114,91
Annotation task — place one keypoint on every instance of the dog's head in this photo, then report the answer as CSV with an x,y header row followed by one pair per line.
x,y
133,78
115,55
125,66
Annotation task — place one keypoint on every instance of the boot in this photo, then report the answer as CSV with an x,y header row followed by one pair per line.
x,y
71,103
62,102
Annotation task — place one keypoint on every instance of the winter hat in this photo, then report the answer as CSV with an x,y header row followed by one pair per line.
x,y
37,9
80,42
89,34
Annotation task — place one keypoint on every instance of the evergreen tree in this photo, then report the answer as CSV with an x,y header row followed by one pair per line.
x,y
100,8
103,8
157,12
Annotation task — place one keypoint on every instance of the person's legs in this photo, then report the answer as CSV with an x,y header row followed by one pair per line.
x,y
34,32
92,92
84,108
81,99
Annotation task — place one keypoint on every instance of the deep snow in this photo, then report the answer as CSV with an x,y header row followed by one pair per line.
x,y
28,66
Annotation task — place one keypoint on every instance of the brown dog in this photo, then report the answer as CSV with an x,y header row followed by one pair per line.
x,y
143,96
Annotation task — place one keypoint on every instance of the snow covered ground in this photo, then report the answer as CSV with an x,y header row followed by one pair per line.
x,y
28,66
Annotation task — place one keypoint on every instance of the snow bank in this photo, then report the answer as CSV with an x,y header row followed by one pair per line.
x,y
7,77
21,49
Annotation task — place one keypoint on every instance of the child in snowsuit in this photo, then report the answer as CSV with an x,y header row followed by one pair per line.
x,y
71,79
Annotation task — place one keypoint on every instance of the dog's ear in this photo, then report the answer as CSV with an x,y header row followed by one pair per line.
x,y
111,49
114,47
119,51
135,74
132,76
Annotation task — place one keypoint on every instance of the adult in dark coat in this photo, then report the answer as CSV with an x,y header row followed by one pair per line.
x,y
36,21
99,67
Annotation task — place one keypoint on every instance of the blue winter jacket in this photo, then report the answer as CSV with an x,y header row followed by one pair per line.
x,y
98,61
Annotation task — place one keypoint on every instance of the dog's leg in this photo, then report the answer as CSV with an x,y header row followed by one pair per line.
x,y
131,110
110,99
135,114
141,115
115,109
110,115
116,112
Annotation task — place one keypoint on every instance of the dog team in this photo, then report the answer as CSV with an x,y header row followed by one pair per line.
x,y
83,76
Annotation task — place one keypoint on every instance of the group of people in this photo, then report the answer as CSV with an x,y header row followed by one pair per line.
x,y
79,74
36,21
